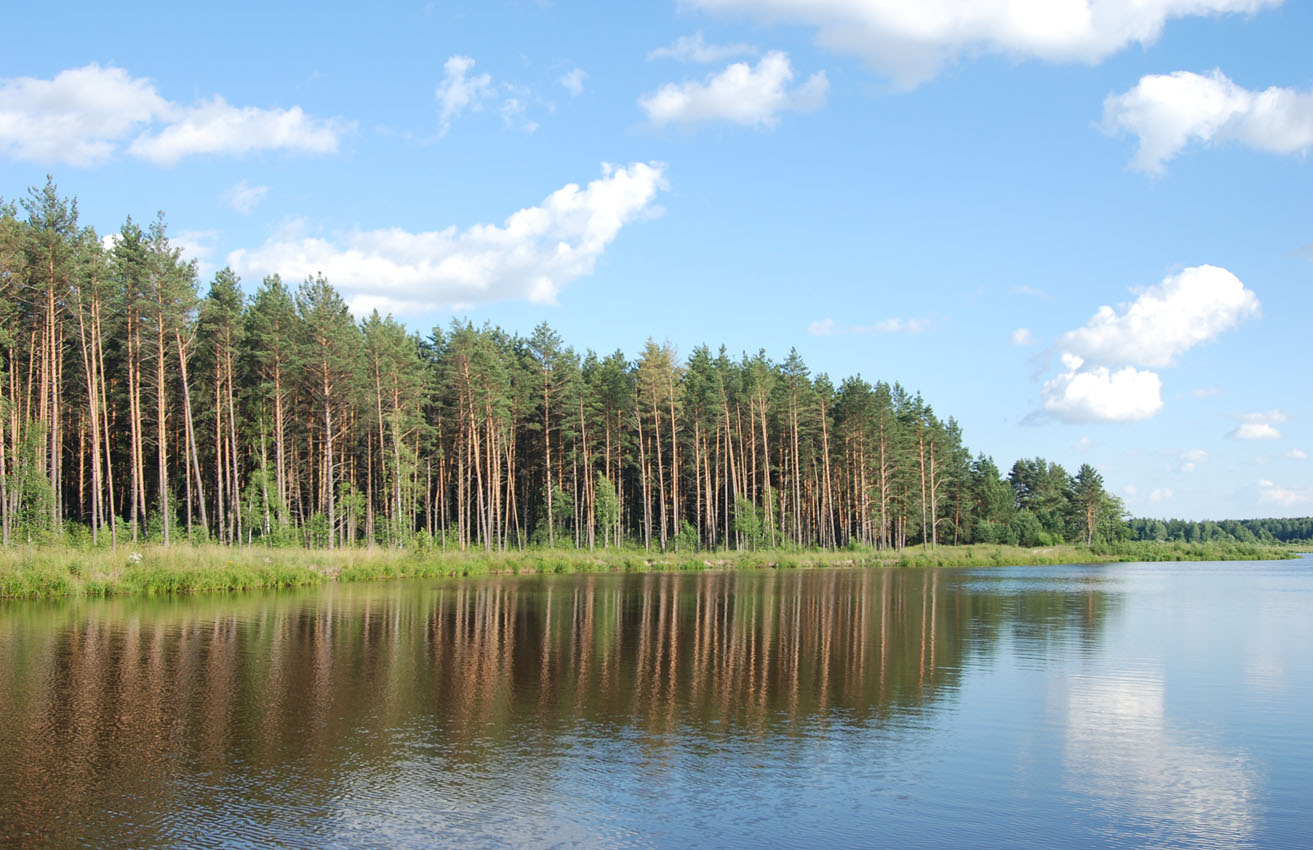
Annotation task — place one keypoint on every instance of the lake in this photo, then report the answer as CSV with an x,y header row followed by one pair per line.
x,y
1138,705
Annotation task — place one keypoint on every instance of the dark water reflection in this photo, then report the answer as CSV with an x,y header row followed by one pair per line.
x,y
867,708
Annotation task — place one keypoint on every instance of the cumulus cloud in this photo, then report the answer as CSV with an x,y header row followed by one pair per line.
x,y
911,41
79,117
85,115
1183,311
215,127
1206,392
692,48
1021,336
1270,493
573,81
1296,454
823,327
1097,394
1162,494
1259,426
753,96
1164,322
459,91
532,255
1167,112
243,197
1255,431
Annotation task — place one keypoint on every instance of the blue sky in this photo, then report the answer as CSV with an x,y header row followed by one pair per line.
x,y
1083,229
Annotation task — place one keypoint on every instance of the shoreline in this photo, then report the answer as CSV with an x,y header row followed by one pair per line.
x,y
54,572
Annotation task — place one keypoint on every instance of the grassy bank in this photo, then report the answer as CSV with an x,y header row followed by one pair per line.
x,y
59,572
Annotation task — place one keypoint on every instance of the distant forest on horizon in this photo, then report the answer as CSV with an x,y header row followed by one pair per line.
x,y
1271,530
133,407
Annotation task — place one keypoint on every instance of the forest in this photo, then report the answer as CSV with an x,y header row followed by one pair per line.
x,y
135,407
1271,531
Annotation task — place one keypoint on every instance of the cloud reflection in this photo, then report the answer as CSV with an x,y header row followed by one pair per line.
x,y
1177,788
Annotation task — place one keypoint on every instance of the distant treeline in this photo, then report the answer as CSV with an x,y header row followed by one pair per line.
x,y
1270,531
134,407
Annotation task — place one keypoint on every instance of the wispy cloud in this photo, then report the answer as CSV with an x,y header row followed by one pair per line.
x,y
693,49
459,91
829,327
243,197
573,81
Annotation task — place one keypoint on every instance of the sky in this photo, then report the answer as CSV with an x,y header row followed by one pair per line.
x,y
1083,228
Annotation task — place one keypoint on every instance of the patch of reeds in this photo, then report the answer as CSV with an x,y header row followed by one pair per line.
x,y
55,572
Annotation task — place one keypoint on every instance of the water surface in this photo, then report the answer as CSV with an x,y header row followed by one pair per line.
x,y
1162,705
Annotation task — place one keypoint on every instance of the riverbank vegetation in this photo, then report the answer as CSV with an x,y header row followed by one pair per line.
x,y
28,572
247,436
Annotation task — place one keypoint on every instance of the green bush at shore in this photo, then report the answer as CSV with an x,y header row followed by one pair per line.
x,y
56,572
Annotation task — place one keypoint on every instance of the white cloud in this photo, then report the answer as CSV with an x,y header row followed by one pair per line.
x,y
243,197
1169,111
512,115
573,81
1270,417
1270,493
1259,426
911,41
1021,336
828,327
1164,322
1206,392
532,255
198,245
1031,292
84,115
1131,490
1191,459
215,127
1100,395
692,48
458,91
79,117
751,96
1183,311
1162,494
1084,444
894,326
1255,431
1297,454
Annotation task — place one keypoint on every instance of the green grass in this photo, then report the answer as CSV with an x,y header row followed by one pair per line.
x,y
63,572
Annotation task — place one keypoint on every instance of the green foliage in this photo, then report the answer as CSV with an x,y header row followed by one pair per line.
x,y
747,523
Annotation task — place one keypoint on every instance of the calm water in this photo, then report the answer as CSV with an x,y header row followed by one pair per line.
x,y
1123,706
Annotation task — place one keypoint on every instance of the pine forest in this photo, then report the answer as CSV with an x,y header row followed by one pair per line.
x,y
138,403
